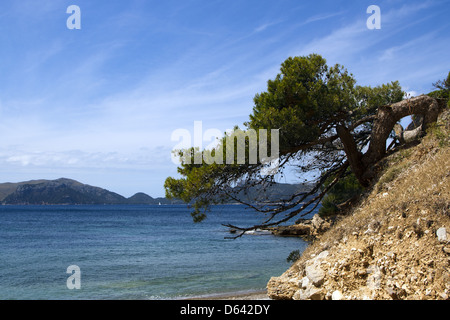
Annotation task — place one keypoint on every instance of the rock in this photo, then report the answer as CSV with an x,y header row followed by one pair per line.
x,y
395,292
322,255
316,259
279,288
317,221
361,273
337,295
442,235
374,280
315,274
319,225
391,255
310,293
294,230
304,227
305,283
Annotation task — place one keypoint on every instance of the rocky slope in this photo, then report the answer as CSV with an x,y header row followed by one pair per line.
x,y
395,244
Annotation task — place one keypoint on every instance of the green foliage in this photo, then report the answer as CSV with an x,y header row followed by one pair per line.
x,y
374,97
347,188
301,98
390,175
443,89
440,133
329,206
305,102
293,256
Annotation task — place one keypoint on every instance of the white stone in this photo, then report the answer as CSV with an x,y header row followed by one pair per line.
x,y
444,296
304,283
323,255
442,234
310,293
337,295
374,280
315,275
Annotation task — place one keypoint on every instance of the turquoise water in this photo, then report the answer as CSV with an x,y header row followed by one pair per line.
x,y
133,252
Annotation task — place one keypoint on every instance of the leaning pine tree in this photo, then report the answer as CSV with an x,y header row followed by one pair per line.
x,y
326,124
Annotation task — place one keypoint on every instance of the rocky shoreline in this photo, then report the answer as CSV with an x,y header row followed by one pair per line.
x,y
309,229
381,275
394,244
253,295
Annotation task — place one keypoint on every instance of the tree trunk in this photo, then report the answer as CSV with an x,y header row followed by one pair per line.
x,y
351,150
384,123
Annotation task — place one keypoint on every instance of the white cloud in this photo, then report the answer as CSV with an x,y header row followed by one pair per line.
x,y
143,158
264,26
323,16
94,114
380,56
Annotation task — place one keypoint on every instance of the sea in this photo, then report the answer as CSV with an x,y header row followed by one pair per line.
x,y
134,252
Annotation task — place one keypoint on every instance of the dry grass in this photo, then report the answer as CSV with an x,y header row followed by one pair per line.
x,y
415,182
400,215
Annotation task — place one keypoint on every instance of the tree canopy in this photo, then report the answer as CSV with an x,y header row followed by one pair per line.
x,y
325,122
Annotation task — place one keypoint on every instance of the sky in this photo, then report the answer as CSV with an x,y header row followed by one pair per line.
x,y
99,104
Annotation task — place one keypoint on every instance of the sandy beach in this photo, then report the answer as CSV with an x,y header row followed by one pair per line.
x,y
257,295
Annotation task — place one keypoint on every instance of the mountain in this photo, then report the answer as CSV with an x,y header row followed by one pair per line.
x,y
69,192
273,193
8,188
141,198
60,191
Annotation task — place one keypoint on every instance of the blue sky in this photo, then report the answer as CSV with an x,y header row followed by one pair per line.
x,y
99,104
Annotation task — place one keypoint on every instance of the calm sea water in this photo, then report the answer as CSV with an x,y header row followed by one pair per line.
x,y
133,252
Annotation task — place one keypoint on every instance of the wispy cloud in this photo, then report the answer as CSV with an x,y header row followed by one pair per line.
x,y
266,25
143,158
106,99
392,53
323,16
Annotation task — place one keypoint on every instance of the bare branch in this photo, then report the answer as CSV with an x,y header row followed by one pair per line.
x,y
316,200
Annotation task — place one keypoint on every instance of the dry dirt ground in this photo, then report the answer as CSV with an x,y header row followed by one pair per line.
x,y
395,244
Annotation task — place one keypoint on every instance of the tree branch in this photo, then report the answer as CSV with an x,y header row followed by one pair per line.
x,y
386,118
294,213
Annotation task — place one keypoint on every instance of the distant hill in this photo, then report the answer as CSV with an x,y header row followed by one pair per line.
x,y
142,198
60,191
69,192
66,191
9,187
275,192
